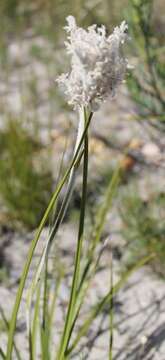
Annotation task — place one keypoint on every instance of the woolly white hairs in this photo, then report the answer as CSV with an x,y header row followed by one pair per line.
x,y
98,65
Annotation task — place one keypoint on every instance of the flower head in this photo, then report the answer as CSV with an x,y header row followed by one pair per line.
x,y
98,65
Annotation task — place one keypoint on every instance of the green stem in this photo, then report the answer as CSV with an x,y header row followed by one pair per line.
x,y
57,221
44,315
70,312
45,328
6,323
34,244
111,310
92,260
105,300
2,354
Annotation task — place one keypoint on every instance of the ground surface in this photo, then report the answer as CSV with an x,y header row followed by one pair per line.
x,y
139,308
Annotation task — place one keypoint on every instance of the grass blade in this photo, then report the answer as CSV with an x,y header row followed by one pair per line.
x,y
92,260
106,299
111,311
7,323
70,312
35,323
34,244
2,354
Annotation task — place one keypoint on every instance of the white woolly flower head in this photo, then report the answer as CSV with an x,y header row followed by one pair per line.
x,y
98,65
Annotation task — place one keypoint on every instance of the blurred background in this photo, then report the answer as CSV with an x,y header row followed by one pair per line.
x,y
37,128
37,135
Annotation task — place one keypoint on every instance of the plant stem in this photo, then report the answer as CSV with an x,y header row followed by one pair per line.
x,y
34,244
111,310
70,312
93,260
57,221
105,300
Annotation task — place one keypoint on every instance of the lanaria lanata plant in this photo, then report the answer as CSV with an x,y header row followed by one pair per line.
x,y
98,66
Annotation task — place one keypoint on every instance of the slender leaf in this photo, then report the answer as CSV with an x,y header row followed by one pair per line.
x,y
105,300
70,311
34,244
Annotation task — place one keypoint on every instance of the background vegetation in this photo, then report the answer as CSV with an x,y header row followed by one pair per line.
x,y
38,27
36,129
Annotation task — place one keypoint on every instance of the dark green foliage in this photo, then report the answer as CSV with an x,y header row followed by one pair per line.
x,y
147,80
25,185
144,226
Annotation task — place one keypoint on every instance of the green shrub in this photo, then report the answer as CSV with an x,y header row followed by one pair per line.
x,y
144,227
146,82
25,185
